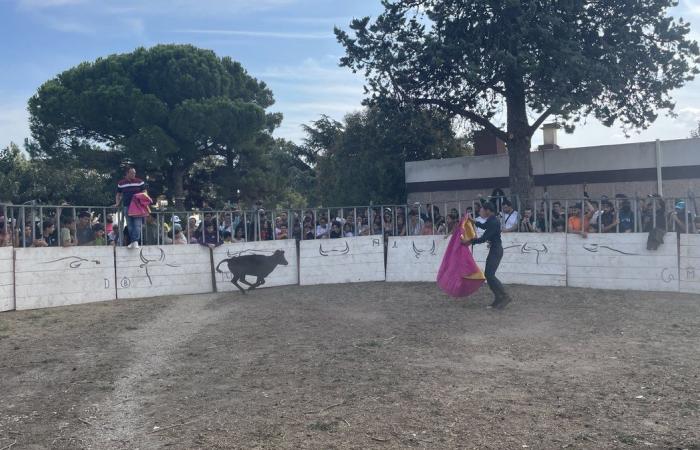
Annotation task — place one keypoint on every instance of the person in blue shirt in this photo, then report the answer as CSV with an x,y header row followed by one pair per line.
x,y
626,217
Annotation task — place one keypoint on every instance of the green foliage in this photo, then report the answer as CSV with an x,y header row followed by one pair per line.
x,y
50,182
617,60
164,109
267,169
362,159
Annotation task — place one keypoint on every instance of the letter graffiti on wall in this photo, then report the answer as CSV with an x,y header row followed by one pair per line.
x,y
259,266
667,275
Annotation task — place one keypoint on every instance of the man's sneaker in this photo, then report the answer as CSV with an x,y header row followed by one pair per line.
x,y
503,301
136,244
131,245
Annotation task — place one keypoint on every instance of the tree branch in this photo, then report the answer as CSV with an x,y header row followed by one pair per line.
x,y
548,112
476,118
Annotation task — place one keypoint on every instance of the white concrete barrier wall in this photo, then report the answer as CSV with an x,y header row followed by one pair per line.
x,y
48,277
622,261
414,258
346,260
153,271
7,286
536,259
528,258
690,263
281,275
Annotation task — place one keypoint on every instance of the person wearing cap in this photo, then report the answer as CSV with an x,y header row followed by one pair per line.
x,y
679,218
179,237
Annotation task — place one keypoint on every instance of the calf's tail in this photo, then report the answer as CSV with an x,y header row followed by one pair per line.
x,y
217,266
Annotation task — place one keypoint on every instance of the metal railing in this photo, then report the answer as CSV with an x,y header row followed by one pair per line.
x,y
33,225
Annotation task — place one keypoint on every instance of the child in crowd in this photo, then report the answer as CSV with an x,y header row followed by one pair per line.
x,y
239,236
67,234
109,227
209,237
100,236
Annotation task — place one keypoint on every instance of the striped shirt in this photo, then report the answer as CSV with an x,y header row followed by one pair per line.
x,y
128,188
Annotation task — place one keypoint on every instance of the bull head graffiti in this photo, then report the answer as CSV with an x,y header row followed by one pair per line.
x,y
341,251
418,253
525,249
157,261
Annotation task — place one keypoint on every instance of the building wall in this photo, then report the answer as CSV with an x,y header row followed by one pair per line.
x,y
628,169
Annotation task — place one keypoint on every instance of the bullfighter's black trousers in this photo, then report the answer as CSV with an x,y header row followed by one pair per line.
x,y
492,262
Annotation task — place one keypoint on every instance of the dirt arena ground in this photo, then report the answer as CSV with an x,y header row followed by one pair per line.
x,y
355,366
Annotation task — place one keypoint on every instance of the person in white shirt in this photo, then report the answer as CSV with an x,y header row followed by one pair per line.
x,y
510,219
322,229
482,220
415,224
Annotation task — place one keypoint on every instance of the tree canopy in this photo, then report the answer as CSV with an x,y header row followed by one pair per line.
x,y
617,60
164,109
362,159
52,182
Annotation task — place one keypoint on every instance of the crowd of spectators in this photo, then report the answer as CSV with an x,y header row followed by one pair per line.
x,y
213,228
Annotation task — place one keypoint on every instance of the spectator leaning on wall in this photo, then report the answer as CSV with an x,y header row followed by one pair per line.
x,y
527,224
680,220
558,218
626,217
67,234
577,223
48,236
510,217
83,230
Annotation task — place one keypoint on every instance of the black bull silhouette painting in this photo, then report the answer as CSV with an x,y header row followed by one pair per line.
x,y
259,266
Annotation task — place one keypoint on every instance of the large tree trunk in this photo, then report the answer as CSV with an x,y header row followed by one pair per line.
x,y
519,142
520,172
179,187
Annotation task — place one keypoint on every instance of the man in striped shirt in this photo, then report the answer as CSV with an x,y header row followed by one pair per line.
x,y
126,188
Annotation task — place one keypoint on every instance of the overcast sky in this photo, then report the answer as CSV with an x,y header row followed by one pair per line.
x,y
287,43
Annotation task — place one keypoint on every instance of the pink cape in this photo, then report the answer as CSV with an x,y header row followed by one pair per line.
x,y
457,264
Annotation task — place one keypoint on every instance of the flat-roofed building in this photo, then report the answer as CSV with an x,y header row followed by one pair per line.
x,y
635,169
